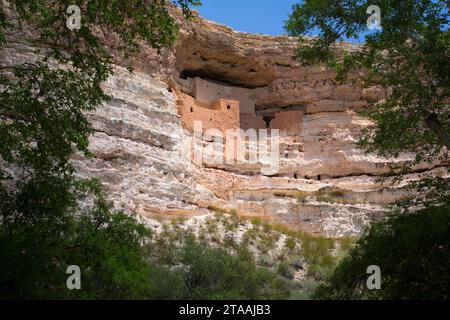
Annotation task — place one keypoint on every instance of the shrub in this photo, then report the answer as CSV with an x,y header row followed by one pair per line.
x,y
285,269
302,196
212,273
290,244
256,221
412,251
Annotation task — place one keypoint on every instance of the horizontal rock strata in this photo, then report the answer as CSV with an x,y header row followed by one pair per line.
x,y
325,184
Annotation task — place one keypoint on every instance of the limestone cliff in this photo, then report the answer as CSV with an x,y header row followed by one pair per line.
x,y
325,184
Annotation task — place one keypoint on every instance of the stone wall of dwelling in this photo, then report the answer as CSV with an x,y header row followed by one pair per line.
x,y
288,121
220,106
251,121
208,92
223,114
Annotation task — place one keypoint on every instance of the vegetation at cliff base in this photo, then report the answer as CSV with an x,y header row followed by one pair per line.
x,y
409,57
413,253
49,218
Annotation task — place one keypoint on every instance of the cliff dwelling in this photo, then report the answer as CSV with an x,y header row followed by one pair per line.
x,y
231,80
222,106
192,161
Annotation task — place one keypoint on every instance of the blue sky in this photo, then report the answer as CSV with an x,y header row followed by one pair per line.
x,y
254,16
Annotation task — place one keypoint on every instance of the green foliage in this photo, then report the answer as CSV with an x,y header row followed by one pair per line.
x,y
316,251
131,21
165,246
54,232
233,221
49,218
230,219
42,116
302,290
213,274
218,210
256,221
42,108
413,253
187,268
330,20
347,243
191,269
290,244
302,196
285,269
409,58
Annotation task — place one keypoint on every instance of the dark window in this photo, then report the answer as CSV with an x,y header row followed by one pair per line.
x,y
192,109
228,107
268,119
295,176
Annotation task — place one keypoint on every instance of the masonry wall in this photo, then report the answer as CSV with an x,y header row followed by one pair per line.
x,y
223,107
209,92
251,121
223,114
290,121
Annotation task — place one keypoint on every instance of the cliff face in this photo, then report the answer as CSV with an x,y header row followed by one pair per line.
x,y
324,184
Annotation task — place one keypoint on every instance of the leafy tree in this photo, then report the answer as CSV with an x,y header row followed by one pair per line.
x,y
212,273
49,218
409,57
42,106
51,231
413,253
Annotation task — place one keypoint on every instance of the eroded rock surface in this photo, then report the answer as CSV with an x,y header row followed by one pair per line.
x,y
325,184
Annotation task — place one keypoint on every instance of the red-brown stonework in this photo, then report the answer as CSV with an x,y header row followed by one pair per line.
x,y
221,115
222,107
288,121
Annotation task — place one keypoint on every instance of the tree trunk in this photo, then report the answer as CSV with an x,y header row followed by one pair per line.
x,y
435,125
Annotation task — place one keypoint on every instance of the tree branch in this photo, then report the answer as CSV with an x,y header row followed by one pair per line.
x,y
438,129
